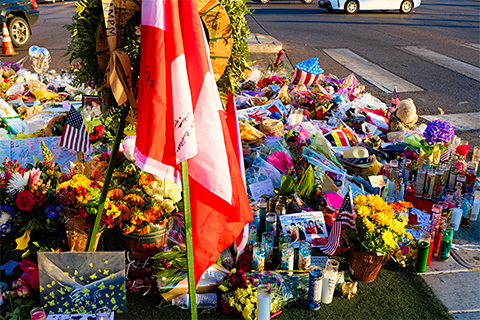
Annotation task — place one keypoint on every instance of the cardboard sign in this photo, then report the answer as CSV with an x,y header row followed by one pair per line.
x,y
261,188
304,226
377,181
82,282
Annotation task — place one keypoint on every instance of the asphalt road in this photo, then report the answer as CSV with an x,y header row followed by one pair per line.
x,y
447,27
450,28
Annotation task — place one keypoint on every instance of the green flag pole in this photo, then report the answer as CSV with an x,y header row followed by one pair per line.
x,y
188,240
108,177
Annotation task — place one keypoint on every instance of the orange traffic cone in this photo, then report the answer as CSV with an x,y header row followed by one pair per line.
x,y
7,45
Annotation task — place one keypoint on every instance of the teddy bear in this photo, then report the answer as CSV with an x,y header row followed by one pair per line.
x,y
404,117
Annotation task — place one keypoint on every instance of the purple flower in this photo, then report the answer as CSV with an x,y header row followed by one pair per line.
x,y
438,131
52,211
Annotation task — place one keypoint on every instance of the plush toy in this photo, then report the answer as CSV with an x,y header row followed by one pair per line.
x,y
404,117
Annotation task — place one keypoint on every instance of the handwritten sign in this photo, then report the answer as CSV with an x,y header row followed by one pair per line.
x,y
258,189
377,181
5,149
10,117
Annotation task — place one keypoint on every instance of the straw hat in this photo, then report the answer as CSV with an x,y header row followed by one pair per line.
x,y
358,157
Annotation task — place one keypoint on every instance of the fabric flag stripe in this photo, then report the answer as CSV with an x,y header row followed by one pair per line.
x,y
75,135
333,238
445,155
180,116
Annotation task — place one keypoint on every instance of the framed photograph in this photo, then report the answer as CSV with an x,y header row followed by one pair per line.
x,y
304,226
91,102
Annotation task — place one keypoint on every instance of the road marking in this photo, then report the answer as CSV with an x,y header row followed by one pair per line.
x,y
460,121
375,75
446,62
475,46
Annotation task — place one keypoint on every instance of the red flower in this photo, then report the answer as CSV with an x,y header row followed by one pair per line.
x,y
97,133
225,307
25,200
82,212
462,149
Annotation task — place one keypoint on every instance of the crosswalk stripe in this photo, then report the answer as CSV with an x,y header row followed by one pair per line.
x,y
460,121
475,46
375,75
446,62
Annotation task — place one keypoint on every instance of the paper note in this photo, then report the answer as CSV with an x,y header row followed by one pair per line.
x,y
377,181
261,188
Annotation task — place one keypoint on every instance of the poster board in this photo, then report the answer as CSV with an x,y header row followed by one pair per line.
x,y
81,282
304,226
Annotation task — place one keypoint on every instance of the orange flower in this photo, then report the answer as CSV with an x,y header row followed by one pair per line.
x,y
125,212
129,229
134,199
137,219
145,179
145,230
152,214
115,194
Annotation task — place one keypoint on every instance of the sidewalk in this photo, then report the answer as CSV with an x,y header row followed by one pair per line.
x,y
456,283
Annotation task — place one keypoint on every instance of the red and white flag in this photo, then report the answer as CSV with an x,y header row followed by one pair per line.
x,y
75,135
180,117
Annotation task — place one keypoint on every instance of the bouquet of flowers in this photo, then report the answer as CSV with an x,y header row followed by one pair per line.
x,y
378,227
438,135
145,200
79,195
30,211
240,289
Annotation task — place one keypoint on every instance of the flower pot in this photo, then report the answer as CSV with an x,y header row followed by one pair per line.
x,y
364,266
144,246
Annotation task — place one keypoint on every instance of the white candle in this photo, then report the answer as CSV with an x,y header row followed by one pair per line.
x,y
263,303
475,209
328,286
456,218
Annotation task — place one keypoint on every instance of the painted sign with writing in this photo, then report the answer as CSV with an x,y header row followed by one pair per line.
x,y
5,150
377,181
11,118
81,282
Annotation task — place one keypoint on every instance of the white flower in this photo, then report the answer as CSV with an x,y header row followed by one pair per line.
x,y
17,182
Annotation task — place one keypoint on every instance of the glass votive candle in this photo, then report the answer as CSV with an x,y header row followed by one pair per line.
x,y
329,280
38,314
259,256
267,239
263,302
103,313
315,288
305,255
287,257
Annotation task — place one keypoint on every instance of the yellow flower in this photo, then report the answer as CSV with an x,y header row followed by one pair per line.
x,y
129,229
145,179
238,307
223,288
368,224
389,239
363,211
231,301
233,271
247,311
409,236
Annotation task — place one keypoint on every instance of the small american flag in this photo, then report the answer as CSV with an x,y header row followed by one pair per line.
x,y
445,155
395,98
74,136
345,218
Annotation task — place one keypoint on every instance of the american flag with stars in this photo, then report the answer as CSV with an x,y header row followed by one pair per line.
x,y
75,135
345,218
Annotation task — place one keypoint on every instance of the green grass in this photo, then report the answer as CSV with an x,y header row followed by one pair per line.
x,y
397,293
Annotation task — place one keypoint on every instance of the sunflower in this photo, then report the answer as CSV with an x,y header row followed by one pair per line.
x,y
134,199
144,230
115,194
145,179
130,229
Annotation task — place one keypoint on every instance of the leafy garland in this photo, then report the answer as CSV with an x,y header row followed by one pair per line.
x,y
84,29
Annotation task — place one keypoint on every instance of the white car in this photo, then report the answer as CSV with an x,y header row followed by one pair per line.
x,y
352,6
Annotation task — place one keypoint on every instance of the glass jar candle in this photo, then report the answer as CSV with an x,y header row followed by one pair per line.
x,y
259,256
287,257
329,280
423,250
315,288
262,207
38,314
103,313
446,244
267,240
304,255
271,222
467,210
420,183
457,214
263,302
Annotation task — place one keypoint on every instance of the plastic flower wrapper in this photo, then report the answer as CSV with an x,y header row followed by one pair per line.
x,y
241,291
406,254
29,206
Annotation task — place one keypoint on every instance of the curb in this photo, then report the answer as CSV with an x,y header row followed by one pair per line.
x,y
260,43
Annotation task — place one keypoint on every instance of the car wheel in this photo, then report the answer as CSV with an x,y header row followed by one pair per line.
x,y
351,7
406,6
264,1
19,31
307,1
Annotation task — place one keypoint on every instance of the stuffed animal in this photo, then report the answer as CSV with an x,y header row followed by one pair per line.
x,y
404,117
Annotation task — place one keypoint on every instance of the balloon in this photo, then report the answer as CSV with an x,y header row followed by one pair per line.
x,y
40,59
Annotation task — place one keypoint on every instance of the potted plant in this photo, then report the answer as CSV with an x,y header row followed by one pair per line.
x,y
380,226
146,203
